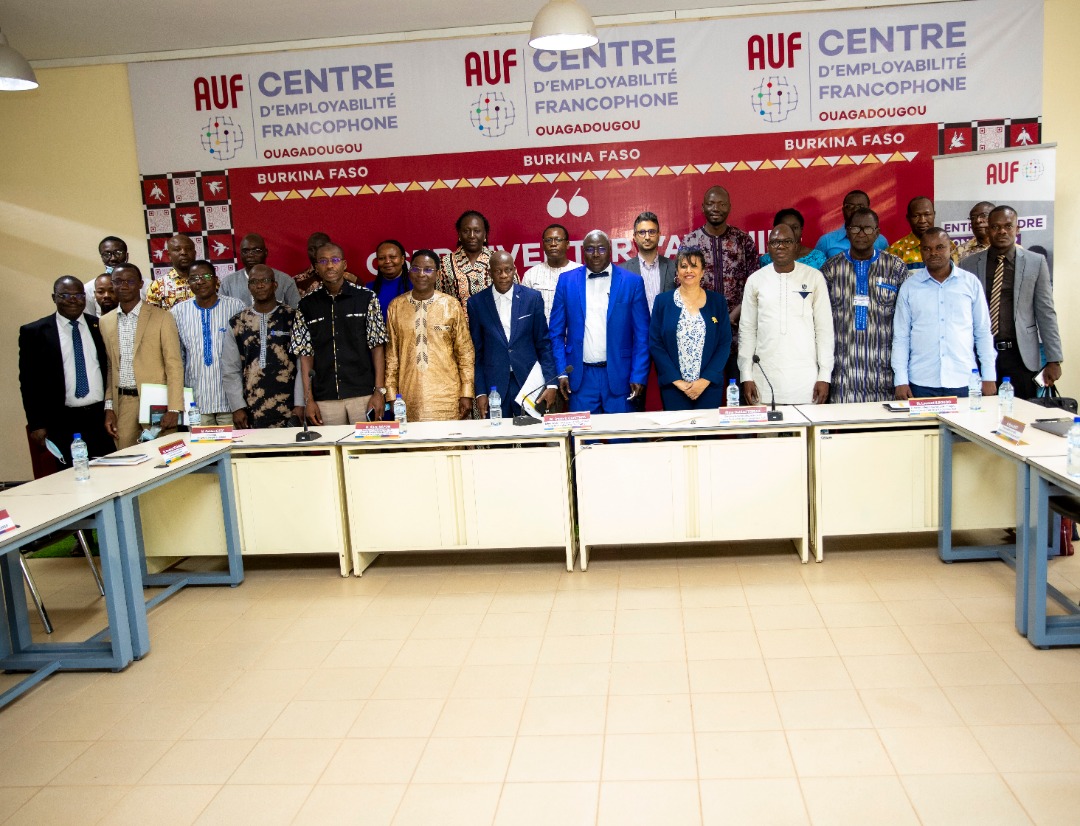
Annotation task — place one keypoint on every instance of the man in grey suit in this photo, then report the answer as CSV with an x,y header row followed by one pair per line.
x,y
253,253
656,270
1021,299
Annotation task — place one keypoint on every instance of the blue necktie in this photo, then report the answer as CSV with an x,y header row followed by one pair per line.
x,y
82,383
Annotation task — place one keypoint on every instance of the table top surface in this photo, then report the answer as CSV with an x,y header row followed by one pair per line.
x,y
1053,467
981,427
277,437
862,413
466,430
685,422
33,513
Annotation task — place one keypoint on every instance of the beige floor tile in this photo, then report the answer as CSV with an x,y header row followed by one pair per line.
x,y
648,803
285,761
315,718
924,611
111,763
505,681
265,805
1052,797
957,800
580,623
374,805
1059,700
808,674
448,627
448,805
649,678
156,721
984,668
839,753
415,683
722,645
465,760
987,705
363,653
958,638
761,801
634,598
782,594
649,621
564,715
668,756
649,714
457,604
171,805
882,639
267,685
712,596
67,804
374,760
371,627
395,718
235,721
504,651
309,629
842,801
531,624
906,589
1052,666
341,684
541,804
996,609
1029,748
79,721
748,711
799,642
570,679
12,798
834,709
950,750
577,649
888,671
785,617
739,675
743,754
604,599
855,614
294,654
904,707
553,758
729,618
425,652
198,762
852,592
649,648
487,717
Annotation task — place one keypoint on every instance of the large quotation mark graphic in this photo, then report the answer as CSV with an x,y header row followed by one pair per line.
x,y
557,207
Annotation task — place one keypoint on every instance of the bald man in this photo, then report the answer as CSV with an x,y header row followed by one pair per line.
x,y
172,288
253,253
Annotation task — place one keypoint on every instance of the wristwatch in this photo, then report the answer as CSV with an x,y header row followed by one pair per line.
x,y
381,390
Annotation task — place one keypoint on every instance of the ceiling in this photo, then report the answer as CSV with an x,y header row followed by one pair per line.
x,y
92,30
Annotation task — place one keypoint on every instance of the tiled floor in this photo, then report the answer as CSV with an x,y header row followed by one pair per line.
x,y
881,686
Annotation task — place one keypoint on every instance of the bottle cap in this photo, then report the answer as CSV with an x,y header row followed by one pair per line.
x,y
1005,380
492,389
399,395
78,435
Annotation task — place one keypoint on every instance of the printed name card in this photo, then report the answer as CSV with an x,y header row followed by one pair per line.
x,y
377,430
6,522
174,451
932,406
1010,430
568,421
212,433
743,415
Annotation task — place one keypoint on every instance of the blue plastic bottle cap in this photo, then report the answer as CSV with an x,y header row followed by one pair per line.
x,y
79,435
1005,380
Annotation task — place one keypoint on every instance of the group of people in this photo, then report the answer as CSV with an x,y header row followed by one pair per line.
x,y
852,319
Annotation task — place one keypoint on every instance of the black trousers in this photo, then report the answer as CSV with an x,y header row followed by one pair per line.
x,y
1009,363
89,421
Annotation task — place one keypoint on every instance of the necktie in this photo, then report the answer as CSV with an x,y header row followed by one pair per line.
x,y
599,274
995,294
82,383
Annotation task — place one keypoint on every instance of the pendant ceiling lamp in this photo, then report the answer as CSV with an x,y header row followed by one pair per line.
x,y
15,73
563,26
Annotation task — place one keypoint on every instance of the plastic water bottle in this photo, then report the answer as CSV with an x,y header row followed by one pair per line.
x,y
194,417
495,407
975,391
399,414
1072,462
732,393
1006,396
80,458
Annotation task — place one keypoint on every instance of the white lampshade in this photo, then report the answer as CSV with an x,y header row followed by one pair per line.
x,y
15,73
563,26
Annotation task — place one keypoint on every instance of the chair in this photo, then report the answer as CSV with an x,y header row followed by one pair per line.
x,y
80,537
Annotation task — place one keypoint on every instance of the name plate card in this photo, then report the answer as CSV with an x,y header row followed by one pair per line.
x,y
212,433
932,406
174,451
377,430
568,421
1010,430
743,415
6,522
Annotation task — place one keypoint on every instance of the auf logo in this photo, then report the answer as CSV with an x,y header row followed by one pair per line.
x,y
774,99
493,68
779,52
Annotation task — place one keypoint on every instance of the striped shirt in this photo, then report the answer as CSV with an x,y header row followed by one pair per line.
x,y
202,332
863,297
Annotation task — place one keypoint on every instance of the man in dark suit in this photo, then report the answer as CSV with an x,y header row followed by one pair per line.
x,y
1021,299
510,336
656,270
599,332
62,366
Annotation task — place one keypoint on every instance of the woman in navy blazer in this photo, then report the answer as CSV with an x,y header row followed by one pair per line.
x,y
690,338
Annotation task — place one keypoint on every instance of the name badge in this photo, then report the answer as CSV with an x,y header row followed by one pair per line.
x,y
862,301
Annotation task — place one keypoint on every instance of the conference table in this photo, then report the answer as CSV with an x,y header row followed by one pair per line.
x,y
1045,631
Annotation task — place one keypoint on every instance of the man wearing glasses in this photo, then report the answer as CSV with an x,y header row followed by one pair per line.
x,y
253,253
544,277
656,270
340,337
863,284
62,364
113,251
600,332
787,324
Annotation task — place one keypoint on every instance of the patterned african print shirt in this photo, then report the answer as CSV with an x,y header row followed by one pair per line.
x,y
863,298
907,250
259,371
971,246
461,278
729,260
169,290
308,280
430,357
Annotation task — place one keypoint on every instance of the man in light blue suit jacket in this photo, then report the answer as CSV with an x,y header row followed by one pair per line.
x,y
510,336
599,331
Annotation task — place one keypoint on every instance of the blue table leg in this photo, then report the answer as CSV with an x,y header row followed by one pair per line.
x,y
134,565
1025,543
232,524
945,463
1038,567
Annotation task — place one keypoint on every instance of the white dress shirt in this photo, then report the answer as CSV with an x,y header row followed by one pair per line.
x,y
597,290
93,366
504,306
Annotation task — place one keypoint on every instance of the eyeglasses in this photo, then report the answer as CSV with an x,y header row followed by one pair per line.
x,y
256,250
124,282
553,241
70,296
594,250
260,281
324,261
781,242
194,277
424,270
647,233
856,230
112,253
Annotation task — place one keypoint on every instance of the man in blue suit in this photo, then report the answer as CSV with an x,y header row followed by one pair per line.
x,y
510,336
599,330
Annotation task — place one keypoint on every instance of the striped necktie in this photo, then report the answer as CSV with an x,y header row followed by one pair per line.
x,y
82,383
995,294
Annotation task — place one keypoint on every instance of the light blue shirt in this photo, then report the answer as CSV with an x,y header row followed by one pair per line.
x,y
836,242
938,328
